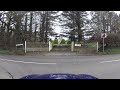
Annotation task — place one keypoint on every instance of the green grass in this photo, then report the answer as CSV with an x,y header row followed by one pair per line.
x,y
92,45
101,53
19,52
110,51
113,51
7,52
12,52
62,44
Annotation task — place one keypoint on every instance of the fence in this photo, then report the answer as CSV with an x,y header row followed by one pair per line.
x,y
36,46
45,47
86,47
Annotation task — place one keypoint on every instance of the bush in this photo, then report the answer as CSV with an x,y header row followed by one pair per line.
x,y
68,42
112,40
63,41
55,41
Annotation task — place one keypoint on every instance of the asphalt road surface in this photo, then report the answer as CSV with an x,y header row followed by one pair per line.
x,y
102,67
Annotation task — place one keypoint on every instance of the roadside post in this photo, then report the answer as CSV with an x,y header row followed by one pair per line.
x,y
72,46
72,43
97,46
25,47
50,45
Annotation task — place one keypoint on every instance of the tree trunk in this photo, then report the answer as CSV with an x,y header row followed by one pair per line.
x,y
30,31
35,32
26,27
79,31
18,30
110,24
104,26
46,32
42,31
8,34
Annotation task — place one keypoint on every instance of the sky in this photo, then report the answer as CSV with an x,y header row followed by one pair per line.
x,y
118,12
58,28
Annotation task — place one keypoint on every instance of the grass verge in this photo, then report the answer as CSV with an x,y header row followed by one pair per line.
x,y
110,51
7,52
12,52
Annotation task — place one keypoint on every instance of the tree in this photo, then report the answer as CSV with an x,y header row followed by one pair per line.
x,y
35,31
10,27
25,26
46,22
74,21
2,29
109,22
31,23
104,21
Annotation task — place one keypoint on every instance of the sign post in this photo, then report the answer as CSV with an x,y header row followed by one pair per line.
x,y
103,45
103,36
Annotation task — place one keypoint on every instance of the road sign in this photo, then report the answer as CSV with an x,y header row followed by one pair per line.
x,y
19,45
103,35
79,45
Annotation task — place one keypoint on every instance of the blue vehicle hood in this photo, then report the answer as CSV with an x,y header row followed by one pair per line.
x,y
59,76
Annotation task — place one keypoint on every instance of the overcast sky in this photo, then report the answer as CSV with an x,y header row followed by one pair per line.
x,y
118,12
58,28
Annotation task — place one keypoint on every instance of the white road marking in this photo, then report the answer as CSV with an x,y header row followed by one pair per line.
x,y
26,62
110,61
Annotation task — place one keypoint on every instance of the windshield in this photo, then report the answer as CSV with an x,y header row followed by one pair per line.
x,y
64,44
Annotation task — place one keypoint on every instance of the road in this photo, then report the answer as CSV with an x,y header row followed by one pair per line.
x,y
103,67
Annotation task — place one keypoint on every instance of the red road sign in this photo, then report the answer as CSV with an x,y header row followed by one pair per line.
x,y
103,35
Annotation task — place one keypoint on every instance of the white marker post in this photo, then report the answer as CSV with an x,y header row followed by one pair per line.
x,y
49,46
97,46
72,46
25,47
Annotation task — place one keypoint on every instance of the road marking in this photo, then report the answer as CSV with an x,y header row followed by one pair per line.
x,y
26,62
110,61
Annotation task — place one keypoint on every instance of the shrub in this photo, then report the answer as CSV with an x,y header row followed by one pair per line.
x,y
112,40
68,42
55,41
63,41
